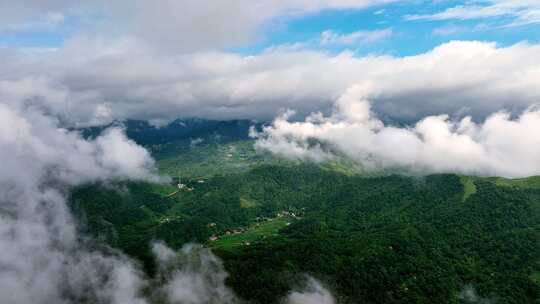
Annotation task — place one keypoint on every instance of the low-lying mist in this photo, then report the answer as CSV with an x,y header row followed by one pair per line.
x,y
500,146
44,259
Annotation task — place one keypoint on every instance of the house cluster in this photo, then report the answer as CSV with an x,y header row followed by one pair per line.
x,y
177,181
166,220
259,221
184,187
286,213
235,231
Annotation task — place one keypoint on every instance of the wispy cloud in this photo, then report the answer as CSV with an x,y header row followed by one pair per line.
x,y
459,29
520,12
314,293
330,37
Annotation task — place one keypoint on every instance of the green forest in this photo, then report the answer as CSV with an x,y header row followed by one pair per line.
x,y
390,239
386,238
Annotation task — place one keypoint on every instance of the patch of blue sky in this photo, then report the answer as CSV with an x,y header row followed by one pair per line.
x,y
44,35
30,40
409,37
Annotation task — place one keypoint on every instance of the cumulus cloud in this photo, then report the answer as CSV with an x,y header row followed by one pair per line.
x,y
120,70
91,81
500,145
35,149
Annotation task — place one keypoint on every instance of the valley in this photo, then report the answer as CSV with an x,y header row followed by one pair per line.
x,y
395,238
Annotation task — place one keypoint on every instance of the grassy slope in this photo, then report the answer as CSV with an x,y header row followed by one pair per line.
x,y
468,186
255,232
234,157
213,159
532,182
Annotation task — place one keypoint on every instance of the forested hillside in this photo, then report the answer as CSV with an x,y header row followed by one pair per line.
x,y
386,239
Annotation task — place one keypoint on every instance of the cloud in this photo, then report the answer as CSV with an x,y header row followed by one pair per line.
x,y
141,61
191,276
522,12
456,29
203,25
41,258
210,25
330,37
22,14
94,81
469,295
314,293
37,149
500,146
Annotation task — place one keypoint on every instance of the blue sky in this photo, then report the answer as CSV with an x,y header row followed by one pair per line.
x,y
408,37
403,36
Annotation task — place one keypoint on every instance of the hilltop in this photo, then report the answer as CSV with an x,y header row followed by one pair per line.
x,y
373,239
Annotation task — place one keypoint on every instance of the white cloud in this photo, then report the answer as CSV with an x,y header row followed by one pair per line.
x,y
191,276
42,258
314,293
96,78
500,146
37,149
35,14
522,12
469,295
330,37
170,25
456,29
93,81
209,25
145,62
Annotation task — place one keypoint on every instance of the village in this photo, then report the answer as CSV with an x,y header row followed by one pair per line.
x,y
263,228
177,182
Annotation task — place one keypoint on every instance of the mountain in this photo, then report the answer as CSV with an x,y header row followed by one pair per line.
x,y
369,239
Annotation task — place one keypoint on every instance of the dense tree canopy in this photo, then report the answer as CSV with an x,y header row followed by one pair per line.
x,y
386,239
